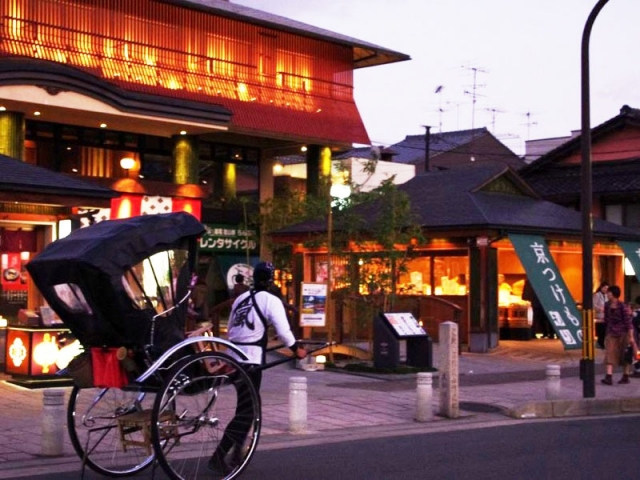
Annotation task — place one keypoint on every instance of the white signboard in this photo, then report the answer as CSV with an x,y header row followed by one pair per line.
x,y
404,324
314,302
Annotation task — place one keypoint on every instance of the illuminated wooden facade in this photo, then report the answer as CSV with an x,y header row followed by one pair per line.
x,y
188,92
467,216
159,48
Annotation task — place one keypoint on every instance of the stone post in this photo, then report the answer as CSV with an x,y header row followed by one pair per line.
x,y
424,396
297,404
552,385
53,422
448,366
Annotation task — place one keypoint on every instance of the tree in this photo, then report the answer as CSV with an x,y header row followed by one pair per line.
x,y
375,226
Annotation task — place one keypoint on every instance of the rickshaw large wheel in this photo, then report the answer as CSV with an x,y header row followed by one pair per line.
x,y
107,431
207,404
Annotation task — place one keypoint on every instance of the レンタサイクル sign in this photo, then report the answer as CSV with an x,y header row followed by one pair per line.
x,y
225,238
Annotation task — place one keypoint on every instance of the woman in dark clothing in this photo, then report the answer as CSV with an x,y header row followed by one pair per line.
x,y
619,334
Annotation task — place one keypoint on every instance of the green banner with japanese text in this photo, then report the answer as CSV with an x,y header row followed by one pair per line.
x,y
632,252
550,288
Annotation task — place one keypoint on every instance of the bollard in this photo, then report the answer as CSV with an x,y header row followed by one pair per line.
x,y
552,385
53,415
424,396
297,404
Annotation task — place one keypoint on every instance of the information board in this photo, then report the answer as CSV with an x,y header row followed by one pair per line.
x,y
314,301
404,324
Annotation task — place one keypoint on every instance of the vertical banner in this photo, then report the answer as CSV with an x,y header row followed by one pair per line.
x,y
544,276
314,301
632,252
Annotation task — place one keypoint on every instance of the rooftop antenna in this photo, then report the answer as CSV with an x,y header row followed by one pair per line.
x,y
493,117
529,124
474,93
438,91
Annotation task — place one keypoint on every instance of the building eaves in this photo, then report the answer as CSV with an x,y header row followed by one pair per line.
x,y
451,201
18,176
364,54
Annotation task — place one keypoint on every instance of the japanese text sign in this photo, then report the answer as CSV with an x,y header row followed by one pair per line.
x,y
550,288
226,238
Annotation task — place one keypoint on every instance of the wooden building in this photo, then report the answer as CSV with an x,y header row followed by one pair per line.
x,y
467,268
556,176
169,102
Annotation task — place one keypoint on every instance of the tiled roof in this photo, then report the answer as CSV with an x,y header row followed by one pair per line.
x,y
458,199
16,175
607,178
411,150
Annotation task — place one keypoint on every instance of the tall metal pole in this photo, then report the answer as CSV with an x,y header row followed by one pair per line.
x,y
587,363
330,314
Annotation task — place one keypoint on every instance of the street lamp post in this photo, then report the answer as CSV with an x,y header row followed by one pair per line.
x,y
340,192
329,313
587,363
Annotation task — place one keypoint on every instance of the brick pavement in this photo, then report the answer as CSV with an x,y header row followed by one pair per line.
x,y
342,406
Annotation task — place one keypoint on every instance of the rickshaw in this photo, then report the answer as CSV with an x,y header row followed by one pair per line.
x,y
145,392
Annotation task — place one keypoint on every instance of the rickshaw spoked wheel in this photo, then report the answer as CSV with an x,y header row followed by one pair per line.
x,y
207,404
104,432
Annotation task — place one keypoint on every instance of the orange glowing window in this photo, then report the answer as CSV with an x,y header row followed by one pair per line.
x,y
155,46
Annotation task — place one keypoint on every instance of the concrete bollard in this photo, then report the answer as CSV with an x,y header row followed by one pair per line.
x,y
53,422
297,404
424,396
552,385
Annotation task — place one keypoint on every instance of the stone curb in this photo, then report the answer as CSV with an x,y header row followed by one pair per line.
x,y
575,408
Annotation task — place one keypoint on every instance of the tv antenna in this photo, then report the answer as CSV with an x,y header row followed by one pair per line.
x,y
474,94
438,91
494,111
529,124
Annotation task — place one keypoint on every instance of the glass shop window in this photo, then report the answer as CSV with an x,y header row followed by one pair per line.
x,y
434,275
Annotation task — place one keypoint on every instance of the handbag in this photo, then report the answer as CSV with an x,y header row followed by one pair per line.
x,y
627,355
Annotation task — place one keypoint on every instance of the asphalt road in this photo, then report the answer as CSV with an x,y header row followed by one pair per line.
x,y
594,448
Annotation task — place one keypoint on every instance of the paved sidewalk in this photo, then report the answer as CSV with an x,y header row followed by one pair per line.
x,y
502,386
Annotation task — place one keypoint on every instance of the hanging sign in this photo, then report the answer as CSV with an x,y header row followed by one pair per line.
x,y
632,252
549,286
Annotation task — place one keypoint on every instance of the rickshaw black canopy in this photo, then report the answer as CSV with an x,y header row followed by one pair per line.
x,y
95,259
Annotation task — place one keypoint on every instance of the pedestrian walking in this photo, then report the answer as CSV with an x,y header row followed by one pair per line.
x,y
618,335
